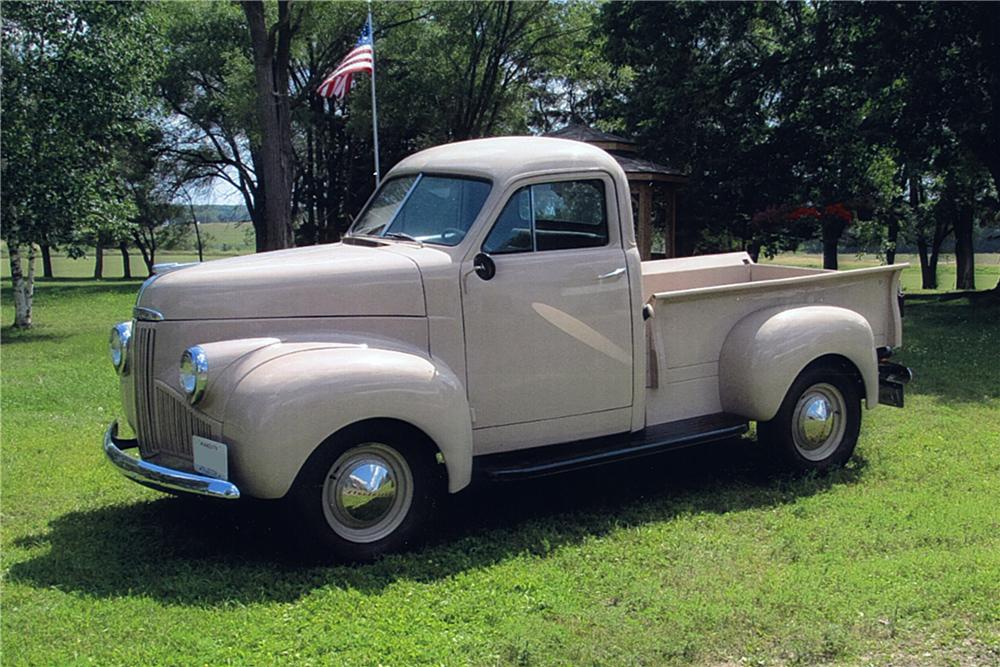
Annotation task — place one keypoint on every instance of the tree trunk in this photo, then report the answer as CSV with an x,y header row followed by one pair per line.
x,y
271,56
24,287
830,254
928,265
832,229
890,252
965,259
126,266
47,261
148,252
99,261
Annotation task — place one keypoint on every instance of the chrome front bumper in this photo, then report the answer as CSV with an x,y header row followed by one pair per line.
x,y
159,477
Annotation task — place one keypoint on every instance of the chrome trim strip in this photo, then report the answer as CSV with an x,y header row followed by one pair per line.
x,y
142,288
159,477
147,314
169,267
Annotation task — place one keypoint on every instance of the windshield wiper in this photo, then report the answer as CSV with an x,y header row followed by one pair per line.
x,y
404,237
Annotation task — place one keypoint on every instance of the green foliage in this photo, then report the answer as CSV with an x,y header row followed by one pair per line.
x,y
706,557
74,85
780,104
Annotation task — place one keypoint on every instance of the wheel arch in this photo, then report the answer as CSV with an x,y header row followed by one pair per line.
x,y
283,410
767,350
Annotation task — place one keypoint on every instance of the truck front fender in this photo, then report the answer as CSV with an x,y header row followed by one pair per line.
x,y
284,406
766,351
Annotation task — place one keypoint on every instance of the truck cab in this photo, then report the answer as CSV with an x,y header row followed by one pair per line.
x,y
486,317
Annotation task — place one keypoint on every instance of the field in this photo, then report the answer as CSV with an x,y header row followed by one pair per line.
x,y
219,239
708,557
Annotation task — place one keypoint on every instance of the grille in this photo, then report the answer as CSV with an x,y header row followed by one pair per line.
x,y
165,422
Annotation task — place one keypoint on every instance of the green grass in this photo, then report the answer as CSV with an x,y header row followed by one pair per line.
x,y
708,556
987,268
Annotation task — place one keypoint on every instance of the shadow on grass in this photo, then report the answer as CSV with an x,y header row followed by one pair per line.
x,y
11,336
182,551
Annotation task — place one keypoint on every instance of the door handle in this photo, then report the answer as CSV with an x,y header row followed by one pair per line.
x,y
612,274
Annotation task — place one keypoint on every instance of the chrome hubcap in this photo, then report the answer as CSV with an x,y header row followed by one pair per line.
x,y
367,492
819,421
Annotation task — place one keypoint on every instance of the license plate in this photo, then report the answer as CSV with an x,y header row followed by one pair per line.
x,y
210,457
890,393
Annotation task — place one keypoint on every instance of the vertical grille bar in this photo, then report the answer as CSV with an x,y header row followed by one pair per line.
x,y
143,357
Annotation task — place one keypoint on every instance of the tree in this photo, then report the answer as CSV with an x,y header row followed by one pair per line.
x,y
207,87
271,47
81,67
934,73
734,96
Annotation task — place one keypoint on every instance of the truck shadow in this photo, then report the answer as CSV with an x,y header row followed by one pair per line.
x,y
186,552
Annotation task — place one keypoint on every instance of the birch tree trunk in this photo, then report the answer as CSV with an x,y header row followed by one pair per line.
x,y
24,287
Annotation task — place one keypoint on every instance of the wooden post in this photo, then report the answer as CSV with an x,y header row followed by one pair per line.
x,y
645,228
671,233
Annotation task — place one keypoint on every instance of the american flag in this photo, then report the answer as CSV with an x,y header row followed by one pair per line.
x,y
360,59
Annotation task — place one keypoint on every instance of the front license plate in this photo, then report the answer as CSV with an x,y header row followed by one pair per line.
x,y
210,457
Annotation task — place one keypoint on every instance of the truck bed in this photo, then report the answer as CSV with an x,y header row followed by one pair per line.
x,y
696,302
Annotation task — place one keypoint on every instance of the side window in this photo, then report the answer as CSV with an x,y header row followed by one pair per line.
x,y
551,216
570,214
512,230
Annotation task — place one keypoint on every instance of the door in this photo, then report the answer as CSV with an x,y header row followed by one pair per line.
x,y
549,335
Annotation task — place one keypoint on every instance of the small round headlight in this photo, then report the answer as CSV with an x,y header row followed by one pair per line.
x,y
121,334
193,373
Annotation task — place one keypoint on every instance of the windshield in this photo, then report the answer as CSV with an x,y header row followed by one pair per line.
x,y
431,209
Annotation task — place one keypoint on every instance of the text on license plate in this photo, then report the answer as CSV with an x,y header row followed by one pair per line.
x,y
210,457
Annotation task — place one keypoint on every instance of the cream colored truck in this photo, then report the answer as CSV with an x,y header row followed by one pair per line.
x,y
487,316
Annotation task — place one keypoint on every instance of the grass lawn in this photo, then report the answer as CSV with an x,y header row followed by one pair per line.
x,y
708,556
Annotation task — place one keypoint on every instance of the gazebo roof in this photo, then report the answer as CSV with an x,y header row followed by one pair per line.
x,y
639,169
624,151
589,135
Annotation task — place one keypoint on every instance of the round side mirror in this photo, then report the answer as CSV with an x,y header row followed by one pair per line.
x,y
484,266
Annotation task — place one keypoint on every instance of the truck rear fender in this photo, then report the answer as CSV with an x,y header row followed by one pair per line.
x,y
284,408
766,351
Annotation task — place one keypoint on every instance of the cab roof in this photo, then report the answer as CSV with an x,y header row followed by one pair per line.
x,y
502,159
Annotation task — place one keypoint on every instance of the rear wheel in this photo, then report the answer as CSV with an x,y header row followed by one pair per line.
x,y
818,423
366,493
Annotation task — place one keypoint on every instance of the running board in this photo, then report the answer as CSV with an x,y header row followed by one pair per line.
x,y
554,459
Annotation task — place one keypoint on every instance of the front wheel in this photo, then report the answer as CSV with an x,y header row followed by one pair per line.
x,y
365,494
817,426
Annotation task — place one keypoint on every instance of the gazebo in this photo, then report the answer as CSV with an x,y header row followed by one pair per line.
x,y
653,186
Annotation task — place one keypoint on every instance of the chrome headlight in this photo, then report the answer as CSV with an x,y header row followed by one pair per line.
x,y
121,334
193,373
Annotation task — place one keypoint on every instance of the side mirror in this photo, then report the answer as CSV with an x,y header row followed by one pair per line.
x,y
484,266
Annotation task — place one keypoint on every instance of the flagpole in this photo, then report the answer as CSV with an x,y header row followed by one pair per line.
x,y
371,28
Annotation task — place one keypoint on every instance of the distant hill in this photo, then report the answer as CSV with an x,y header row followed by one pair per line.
x,y
220,212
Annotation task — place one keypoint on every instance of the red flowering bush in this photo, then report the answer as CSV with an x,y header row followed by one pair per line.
x,y
802,212
839,211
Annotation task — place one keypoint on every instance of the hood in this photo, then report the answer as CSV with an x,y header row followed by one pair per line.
x,y
317,281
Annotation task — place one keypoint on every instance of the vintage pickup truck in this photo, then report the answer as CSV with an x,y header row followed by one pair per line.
x,y
486,317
